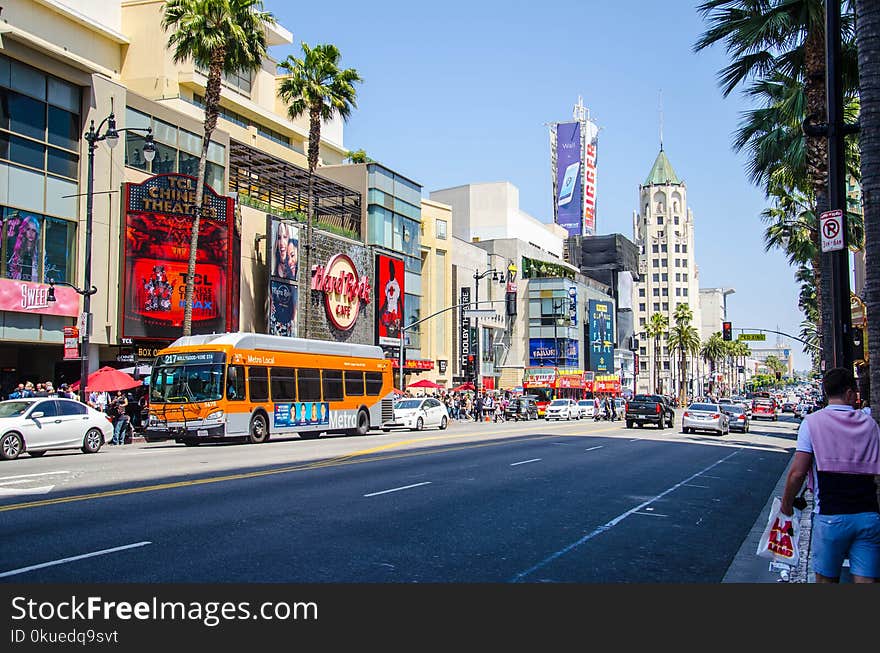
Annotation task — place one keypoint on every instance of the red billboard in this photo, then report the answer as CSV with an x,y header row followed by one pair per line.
x,y
156,239
389,299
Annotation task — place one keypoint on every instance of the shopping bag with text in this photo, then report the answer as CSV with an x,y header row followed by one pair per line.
x,y
779,541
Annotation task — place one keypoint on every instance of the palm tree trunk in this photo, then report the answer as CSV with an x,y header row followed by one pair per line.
x,y
212,102
868,42
314,142
817,171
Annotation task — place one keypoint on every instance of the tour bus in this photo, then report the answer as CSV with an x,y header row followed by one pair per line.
x,y
549,383
253,386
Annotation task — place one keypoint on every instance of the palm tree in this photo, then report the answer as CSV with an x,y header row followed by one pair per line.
x,y
223,37
868,38
683,337
317,86
712,351
776,365
656,328
781,45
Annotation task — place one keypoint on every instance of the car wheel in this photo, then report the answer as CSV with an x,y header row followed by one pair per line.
x,y
258,432
36,454
444,423
385,430
92,441
629,425
420,424
11,446
660,424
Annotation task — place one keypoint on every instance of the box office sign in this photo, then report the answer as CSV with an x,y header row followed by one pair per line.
x,y
158,228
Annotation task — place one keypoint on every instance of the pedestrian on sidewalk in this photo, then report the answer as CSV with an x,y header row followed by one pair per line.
x,y
838,453
120,418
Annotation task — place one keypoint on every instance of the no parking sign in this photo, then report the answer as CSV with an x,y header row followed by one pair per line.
x,y
831,230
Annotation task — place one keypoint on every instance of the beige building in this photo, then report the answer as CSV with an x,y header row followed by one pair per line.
x,y
663,229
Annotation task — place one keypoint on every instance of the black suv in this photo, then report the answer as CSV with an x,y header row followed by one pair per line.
x,y
521,408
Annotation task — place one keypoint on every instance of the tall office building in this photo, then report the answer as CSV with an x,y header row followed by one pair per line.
x,y
663,230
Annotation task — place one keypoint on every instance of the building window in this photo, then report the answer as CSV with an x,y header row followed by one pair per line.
x,y
656,307
641,322
665,306
656,292
663,249
678,276
655,277
641,292
659,219
642,308
678,292
677,248
655,248
684,249
441,229
655,263
676,220
665,277
684,292
684,277
643,351
665,291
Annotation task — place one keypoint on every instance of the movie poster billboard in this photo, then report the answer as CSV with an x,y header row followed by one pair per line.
x,y
568,177
389,299
156,238
283,301
284,252
601,336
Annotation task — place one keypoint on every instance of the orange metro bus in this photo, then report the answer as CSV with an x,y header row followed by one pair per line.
x,y
253,386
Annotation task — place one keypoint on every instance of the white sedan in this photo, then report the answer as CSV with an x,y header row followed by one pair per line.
x,y
585,408
417,414
561,409
39,424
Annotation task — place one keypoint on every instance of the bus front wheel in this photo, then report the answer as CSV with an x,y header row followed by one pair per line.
x,y
259,431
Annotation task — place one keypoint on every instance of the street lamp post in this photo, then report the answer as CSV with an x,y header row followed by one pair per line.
x,y
93,137
499,276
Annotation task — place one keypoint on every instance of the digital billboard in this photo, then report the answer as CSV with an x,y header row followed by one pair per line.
x,y
156,238
568,177
601,336
389,299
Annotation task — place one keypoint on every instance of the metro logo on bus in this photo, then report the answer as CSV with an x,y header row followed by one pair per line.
x,y
343,289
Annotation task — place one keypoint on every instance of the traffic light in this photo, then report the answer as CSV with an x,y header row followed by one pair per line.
x,y
727,330
469,366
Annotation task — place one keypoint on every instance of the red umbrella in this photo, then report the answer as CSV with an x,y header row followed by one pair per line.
x,y
108,379
424,383
464,386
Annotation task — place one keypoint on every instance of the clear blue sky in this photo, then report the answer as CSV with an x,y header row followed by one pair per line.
x,y
459,92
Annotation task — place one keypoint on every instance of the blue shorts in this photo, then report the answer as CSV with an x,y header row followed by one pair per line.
x,y
857,537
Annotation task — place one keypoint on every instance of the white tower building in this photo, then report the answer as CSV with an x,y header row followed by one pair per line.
x,y
663,229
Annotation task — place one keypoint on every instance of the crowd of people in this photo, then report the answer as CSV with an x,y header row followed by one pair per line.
x,y
40,389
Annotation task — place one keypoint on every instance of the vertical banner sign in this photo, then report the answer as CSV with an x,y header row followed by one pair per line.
x,y
465,327
568,177
389,300
158,225
573,305
71,342
283,264
590,151
601,337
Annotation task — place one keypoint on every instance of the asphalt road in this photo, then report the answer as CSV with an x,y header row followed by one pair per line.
x,y
519,502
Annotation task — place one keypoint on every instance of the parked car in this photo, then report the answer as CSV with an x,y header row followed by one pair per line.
x,y
649,409
418,414
739,420
705,417
521,408
585,408
39,424
561,409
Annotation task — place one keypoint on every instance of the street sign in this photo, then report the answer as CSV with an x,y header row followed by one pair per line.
x,y
479,312
831,230
752,336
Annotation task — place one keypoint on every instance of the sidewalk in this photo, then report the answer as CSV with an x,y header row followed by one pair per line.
x,y
747,567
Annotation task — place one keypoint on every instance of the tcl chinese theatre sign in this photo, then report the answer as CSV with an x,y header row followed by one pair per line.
x,y
156,240
344,289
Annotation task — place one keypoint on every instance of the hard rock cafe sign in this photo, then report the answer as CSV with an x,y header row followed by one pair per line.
x,y
344,290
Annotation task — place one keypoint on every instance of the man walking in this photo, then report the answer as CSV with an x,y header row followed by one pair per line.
x,y
120,417
838,452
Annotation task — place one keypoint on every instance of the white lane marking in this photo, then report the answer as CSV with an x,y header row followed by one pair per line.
x,y
6,478
397,489
614,522
523,462
650,514
594,448
705,487
15,491
62,561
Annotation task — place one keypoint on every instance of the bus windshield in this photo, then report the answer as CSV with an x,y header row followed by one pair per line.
x,y
187,378
541,394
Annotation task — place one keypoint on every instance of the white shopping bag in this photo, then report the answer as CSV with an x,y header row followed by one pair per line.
x,y
779,541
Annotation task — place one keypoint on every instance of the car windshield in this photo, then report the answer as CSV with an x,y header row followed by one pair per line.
x,y
559,402
710,407
14,408
408,404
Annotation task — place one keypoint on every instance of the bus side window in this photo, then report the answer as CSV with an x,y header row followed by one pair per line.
x,y
374,383
235,383
258,383
354,384
283,384
308,383
332,382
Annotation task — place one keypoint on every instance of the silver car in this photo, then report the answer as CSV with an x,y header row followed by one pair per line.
x,y
705,417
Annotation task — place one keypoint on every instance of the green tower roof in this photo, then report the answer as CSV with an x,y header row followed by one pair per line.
x,y
662,172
